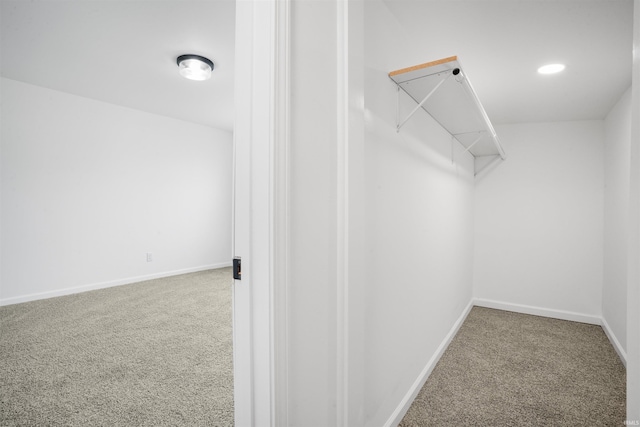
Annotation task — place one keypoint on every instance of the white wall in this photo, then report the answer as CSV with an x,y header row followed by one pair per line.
x,y
539,219
396,200
313,224
418,222
88,188
616,217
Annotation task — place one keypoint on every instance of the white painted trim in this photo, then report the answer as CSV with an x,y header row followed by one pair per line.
x,y
261,238
408,399
109,284
405,404
248,94
614,342
342,214
539,311
280,222
633,232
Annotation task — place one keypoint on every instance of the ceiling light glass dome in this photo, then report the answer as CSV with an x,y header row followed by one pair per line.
x,y
195,67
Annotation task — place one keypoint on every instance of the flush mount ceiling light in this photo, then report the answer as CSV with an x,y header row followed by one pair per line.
x,y
551,68
195,67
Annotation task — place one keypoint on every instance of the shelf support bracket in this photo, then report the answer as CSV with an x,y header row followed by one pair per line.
x,y
399,125
487,165
474,143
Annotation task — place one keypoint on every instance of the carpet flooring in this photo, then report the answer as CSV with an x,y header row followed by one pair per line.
x,y
154,353
159,353
509,369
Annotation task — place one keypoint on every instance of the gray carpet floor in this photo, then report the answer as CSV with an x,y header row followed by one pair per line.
x,y
510,369
153,353
159,353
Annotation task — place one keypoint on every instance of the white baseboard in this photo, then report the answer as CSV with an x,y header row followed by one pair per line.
x,y
406,402
408,399
614,342
109,284
539,311
558,314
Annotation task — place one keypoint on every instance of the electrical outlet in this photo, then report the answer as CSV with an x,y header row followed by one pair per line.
x,y
149,257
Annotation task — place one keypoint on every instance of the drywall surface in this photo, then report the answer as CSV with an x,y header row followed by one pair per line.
x,y
539,219
616,217
418,222
89,188
313,198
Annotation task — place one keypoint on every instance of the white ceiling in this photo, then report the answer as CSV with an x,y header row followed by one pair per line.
x,y
502,43
123,52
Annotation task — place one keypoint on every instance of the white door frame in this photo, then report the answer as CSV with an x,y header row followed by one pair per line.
x,y
260,211
261,208
633,262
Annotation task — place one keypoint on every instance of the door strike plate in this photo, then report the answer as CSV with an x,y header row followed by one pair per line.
x,y
237,269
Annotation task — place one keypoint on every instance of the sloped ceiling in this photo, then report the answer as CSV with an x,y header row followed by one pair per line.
x,y
501,44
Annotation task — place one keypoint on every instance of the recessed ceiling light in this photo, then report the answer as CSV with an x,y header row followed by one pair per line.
x,y
551,68
195,67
